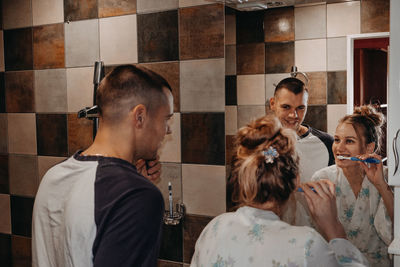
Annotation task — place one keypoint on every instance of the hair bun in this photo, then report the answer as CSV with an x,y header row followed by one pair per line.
x,y
368,111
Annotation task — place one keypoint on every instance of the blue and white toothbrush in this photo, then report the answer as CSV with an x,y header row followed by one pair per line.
x,y
368,160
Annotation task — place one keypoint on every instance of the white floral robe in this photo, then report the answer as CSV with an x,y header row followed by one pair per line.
x,y
365,218
254,237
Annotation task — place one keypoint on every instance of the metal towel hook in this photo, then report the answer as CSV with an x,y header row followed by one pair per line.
x,y
395,152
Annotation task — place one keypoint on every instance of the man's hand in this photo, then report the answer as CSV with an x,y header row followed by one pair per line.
x,y
149,169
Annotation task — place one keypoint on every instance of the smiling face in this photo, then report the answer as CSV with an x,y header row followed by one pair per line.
x,y
347,143
290,108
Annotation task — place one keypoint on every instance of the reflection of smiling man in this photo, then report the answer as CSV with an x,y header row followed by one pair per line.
x,y
315,147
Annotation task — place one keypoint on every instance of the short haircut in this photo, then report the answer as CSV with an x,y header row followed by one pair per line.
x,y
127,86
255,180
294,85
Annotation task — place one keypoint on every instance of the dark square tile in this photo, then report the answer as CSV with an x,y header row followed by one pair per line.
x,y
1,15
2,93
337,87
250,58
163,263
317,87
158,36
375,16
21,251
78,10
279,57
21,215
20,95
192,227
316,117
203,138
4,178
201,32
230,90
172,243
80,133
279,24
18,49
51,132
48,46
170,72
230,148
250,27
110,8
5,250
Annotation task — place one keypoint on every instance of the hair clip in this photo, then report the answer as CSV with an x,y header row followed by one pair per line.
x,y
270,154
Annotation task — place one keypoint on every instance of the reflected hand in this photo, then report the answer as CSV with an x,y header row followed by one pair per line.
x,y
150,169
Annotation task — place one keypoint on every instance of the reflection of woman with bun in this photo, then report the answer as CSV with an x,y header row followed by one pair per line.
x,y
363,197
264,176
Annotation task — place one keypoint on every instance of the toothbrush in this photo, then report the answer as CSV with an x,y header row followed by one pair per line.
x,y
368,160
171,212
301,189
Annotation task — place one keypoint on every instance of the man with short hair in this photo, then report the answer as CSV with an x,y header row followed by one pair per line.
x,y
95,208
289,104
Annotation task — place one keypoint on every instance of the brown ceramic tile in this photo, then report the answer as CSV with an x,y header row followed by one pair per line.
x,y
1,16
316,117
172,243
316,88
20,95
18,49
230,60
76,10
279,24
110,8
2,94
80,133
201,32
375,16
21,251
51,134
192,228
328,1
5,250
170,72
4,180
250,58
5,218
279,57
229,139
158,36
23,173
21,215
249,27
230,90
48,46
3,133
230,26
337,87
163,263
202,138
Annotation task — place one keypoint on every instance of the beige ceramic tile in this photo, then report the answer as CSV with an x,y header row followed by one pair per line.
x,y
118,40
22,133
231,120
271,81
17,14
343,19
230,60
230,29
186,3
23,171
82,43
45,163
5,218
146,6
248,113
335,113
171,147
3,133
204,189
310,22
51,90
310,55
251,89
1,51
202,85
337,54
79,88
171,172
47,11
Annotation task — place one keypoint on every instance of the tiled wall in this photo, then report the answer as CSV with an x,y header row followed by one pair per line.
x,y
221,68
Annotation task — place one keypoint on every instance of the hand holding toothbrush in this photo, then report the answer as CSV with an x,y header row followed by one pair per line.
x,y
374,172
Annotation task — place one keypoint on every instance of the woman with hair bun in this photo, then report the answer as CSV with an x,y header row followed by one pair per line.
x,y
265,174
363,198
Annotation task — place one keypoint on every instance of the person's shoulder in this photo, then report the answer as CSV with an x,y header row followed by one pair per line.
x,y
321,135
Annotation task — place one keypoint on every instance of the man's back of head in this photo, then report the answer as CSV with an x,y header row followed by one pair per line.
x,y
294,85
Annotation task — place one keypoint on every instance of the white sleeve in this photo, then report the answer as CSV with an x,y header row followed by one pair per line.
x,y
383,223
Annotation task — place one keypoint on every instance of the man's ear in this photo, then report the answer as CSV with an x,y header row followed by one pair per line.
x,y
272,103
139,113
370,148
